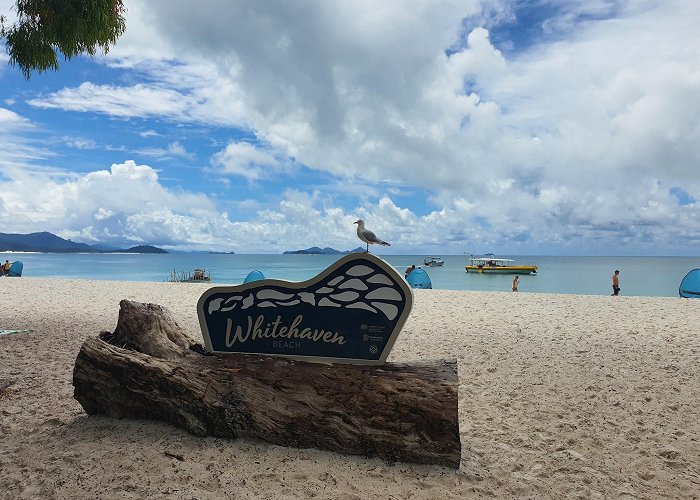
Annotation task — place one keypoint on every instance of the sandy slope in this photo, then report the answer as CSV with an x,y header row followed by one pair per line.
x,y
560,396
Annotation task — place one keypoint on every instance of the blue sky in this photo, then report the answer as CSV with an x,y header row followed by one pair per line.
x,y
540,127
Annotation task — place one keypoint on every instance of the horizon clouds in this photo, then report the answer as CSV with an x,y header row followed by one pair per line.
x,y
553,128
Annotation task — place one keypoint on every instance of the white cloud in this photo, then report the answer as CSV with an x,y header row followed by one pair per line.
x,y
173,150
98,203
20,149
103,213
177,149
80,143
572,141
8,9
245,160
125,102
8,117
149,133
128,205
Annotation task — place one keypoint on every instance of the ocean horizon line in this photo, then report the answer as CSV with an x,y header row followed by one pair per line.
x,y
292,253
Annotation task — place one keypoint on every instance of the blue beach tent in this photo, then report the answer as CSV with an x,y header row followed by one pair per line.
x,y
16,268
418,278
690,286
254,276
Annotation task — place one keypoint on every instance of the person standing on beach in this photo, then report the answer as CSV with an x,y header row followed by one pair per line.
x,y
616,283
516,282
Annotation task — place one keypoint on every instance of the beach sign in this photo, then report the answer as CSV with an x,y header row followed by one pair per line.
x,y
351,312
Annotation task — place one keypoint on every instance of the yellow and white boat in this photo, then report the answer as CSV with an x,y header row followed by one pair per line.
x,y
489,264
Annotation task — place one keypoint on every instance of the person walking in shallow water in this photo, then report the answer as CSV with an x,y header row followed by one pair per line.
x,y
516,282
616,283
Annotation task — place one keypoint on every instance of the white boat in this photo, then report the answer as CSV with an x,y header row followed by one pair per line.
x,y
489,264
433,261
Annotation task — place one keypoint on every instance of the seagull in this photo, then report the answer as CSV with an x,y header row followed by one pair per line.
x,y
368,236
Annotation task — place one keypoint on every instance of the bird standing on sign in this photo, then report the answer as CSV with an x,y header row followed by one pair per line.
x,y
368,236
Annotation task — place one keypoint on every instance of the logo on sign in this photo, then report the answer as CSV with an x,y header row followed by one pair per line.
x,y
350,313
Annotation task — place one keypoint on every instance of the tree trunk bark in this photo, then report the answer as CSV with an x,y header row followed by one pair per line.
x,y
150,368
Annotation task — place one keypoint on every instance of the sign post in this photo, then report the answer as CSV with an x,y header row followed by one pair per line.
x,y
352,312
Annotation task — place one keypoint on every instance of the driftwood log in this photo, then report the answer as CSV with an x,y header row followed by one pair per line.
x,y
150,368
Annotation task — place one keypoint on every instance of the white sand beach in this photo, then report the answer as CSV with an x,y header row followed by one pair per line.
x,y
560,396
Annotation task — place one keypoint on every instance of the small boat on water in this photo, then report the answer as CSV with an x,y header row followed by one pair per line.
x,y
489,264
196,276
433,261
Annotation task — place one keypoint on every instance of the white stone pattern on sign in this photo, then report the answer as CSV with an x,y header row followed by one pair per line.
x,y
354,284
361,287
266,293
248,301
380,279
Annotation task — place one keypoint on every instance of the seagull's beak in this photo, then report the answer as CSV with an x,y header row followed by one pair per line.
x,y
356,222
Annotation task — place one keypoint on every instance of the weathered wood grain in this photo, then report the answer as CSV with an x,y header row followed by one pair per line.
x,y
148,369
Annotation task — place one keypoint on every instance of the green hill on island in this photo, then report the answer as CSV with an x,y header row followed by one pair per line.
x,y
41,242
141,249
46,242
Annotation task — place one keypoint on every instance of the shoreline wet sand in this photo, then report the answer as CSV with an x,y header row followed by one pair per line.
x,y
560,396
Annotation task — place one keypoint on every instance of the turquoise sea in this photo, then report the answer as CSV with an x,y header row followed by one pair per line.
x,y
647,276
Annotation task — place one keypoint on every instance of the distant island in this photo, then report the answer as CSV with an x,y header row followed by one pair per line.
x,y
140,249
46,242
322,251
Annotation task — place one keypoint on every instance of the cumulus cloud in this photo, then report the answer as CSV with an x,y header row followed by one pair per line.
x,y
100,205
127,204
575,138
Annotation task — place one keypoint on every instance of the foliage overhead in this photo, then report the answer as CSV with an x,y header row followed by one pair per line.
x,y
72,27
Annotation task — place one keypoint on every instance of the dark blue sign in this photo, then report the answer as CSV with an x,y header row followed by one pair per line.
x,y
350,313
